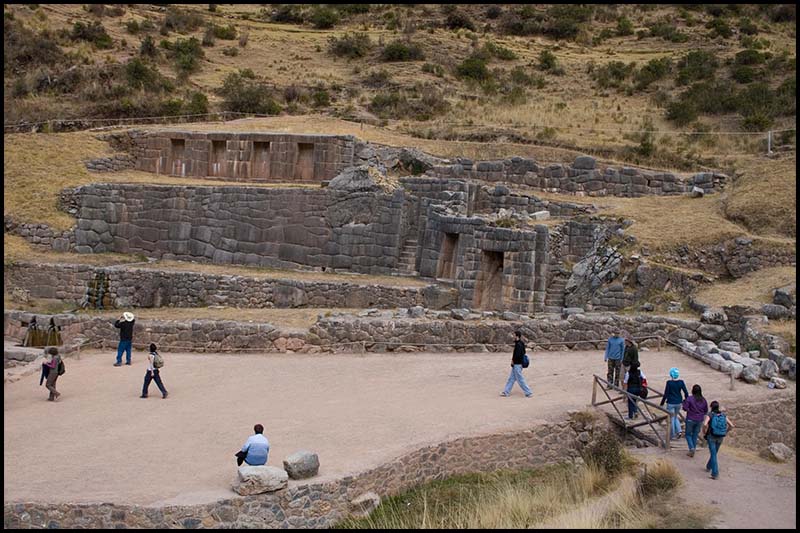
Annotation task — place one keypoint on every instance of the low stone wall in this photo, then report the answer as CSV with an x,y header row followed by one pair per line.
x,y
735,257
317,505
760,424
41,234
114,163
128,286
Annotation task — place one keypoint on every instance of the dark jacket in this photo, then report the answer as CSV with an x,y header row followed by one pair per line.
x,y
672,392
519,351
125,329
631,355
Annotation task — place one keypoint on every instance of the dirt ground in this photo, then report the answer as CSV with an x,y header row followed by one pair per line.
x,y
100,442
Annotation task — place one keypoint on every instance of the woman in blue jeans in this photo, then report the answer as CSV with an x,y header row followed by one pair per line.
x,y
674,394
713,437
696,408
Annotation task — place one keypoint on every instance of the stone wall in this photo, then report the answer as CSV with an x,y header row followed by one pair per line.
x,y
40,235
280,228
760,424
317,505
128,286
581,177
734,258
244,156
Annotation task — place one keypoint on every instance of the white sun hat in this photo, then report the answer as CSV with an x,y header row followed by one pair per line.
x,y
128,316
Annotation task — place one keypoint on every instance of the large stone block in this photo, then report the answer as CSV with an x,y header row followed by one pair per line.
x,y
260,479
301,465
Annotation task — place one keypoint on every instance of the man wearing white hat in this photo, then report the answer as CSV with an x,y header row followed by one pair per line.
x,y
125,325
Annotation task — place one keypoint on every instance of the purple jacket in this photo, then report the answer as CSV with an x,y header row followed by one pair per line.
x,y
695,409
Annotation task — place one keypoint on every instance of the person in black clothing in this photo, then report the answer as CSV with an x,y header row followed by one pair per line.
x,y
516,368
634,378
125,326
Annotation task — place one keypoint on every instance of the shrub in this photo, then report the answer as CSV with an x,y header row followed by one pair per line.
x,y
402,51
132,27
140,75
624,26
564,20
243,38
324,18
499,51
612,74
181,21
696,65
605,452
224,32
230,51
22,47
350,45
719,28
747,27
667,31
743,73
652,71
94,33
547,60
377,78
658,479
493,11
292,93
212,8
457,19
473,68
431,68
680,112
782,12
320,97
186,53
518,76
243,94
352,9
749,57
197,105
386,105
290,13
148,48
208,37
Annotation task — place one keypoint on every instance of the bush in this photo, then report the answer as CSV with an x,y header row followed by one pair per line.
x,y
518,76
749,57
186,53
243,38
743,73
94,33
658,479
132,27
197,105
324,18
564,20
473,68
352,9
457,19
612,74
388,105
230,51
148,48
747,27
500,52
227,33
719,28
208,37
547,60
624,26
782,13
696,65
377,78
652,71
289,13
181,21
320,97
23,48
244,95
402,51
436,70
140,75
667,31
493,11
351,45
292,93
605,452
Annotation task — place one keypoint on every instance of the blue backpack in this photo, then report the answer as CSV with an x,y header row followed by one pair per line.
x,y
719,425
526,362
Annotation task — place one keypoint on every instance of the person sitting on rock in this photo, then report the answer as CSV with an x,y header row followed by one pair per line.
x,y
256,450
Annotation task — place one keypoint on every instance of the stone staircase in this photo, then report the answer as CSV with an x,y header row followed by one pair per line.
x,y
406,266
554,297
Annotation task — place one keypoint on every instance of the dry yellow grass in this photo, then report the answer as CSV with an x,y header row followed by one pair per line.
x,y
753,289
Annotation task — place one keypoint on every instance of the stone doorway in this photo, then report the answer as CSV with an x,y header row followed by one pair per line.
x,y
446,268
217,162
177,156
261,160
304,167
489,286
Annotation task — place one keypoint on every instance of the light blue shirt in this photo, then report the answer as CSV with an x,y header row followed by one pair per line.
x,y
257,448
615,348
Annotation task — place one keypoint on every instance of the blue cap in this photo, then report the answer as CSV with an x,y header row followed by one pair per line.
x,y
673,373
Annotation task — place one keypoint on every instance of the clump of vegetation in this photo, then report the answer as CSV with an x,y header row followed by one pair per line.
x,y
141,75
23,48
350,45
458,19
493,49
658,479
562,21
230,51
324,18
549,63
432,68
94,33
473,68
612,74
667,30
241,92
624,26
148,48
186,53
377,78
605,452
180,20
402,51
695,66
519,76
224,32
422,103
719,28
320,97
654,70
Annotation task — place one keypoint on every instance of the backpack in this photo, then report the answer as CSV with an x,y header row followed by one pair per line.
x,y
61,368
719,425
526,362
158,361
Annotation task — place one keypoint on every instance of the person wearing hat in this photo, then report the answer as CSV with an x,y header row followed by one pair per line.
x,y
615,349
125,326
674,394
631,353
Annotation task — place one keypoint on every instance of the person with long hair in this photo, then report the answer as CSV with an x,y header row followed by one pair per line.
x,y
633,382
716,425
696,408
674,394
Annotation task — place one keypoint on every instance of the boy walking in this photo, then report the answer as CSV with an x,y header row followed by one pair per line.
x,y
516,368
153,374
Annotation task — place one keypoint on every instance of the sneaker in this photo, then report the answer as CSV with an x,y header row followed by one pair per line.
x,y
142,396
528,395
713,476
690,453
58,395
165,396
504,395
128,363
117,364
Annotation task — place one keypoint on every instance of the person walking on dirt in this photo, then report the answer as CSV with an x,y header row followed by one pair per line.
x,y
125,326
696,408
154,363
634,380
53,366
256,450
516,368
716,425
674,394
615,349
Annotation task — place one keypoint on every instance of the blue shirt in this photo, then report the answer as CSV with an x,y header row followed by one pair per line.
x,y
257,448
672,392
615,348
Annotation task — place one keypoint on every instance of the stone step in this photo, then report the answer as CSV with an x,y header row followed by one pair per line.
x,y
552,309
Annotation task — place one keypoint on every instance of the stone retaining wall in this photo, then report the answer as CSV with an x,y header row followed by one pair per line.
x,y
280,228
760,424
130,286
734,258
317,505
41,235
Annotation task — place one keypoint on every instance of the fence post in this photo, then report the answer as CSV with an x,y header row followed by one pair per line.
x,y
659,343
769,142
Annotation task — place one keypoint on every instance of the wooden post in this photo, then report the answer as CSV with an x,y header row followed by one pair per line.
x,y
733,380
594,390
667,445
659,343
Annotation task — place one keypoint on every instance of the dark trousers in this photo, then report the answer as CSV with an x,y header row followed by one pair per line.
x,y
148,378
51,383
632,408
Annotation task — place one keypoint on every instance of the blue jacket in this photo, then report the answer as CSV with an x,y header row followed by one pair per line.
x,y
615,348
672,392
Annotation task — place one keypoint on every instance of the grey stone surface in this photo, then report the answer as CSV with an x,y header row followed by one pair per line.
x,y
768,369
777,383
778,451
731,346
301,464
260,479
751,373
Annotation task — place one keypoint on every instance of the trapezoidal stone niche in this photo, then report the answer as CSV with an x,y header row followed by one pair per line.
x,y
244,156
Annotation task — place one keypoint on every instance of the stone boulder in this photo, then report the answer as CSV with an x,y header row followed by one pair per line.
x,y
778,451
302,464
731,346
363,178
541,215
363,505
508,315
260,479
416,312
785,296
713,332
736,370
747,361
696,192
769,369
775,311
750,374
777,383
789,367
459,314
714,316
584,162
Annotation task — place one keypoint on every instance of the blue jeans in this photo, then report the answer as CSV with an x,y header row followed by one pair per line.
x,y
674,409
714,444
516,375
632,402
155,377
692,431
124,346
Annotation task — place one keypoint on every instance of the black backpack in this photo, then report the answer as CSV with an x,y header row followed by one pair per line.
x,y
61,368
